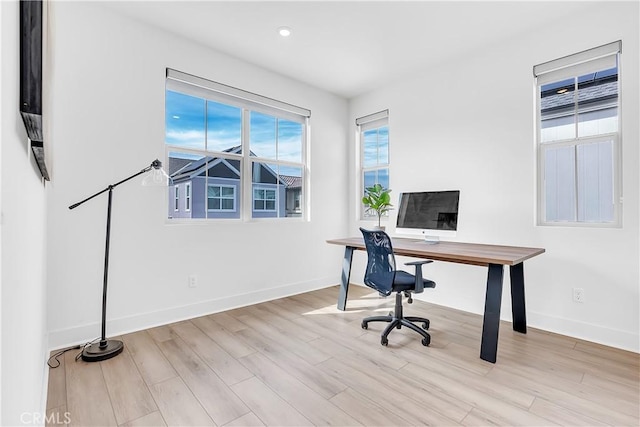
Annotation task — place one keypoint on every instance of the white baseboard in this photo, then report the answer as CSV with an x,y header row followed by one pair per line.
x,y
81,334
617,338
624,340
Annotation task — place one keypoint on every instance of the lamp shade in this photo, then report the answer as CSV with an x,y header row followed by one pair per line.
x,y
156,177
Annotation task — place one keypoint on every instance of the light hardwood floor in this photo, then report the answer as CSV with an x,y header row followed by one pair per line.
x,y
299,361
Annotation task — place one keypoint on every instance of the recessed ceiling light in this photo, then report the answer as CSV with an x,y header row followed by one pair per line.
x,y
563,90
284,31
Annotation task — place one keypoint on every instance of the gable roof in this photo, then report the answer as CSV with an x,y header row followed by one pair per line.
x,y
186,169
182,169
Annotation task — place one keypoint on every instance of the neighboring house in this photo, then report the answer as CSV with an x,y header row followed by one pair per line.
x,y
293,191
597,99
210,187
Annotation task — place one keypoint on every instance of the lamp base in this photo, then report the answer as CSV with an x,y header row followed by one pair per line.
x,y
96,352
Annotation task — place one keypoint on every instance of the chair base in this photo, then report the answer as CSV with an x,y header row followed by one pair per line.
x,y
397,320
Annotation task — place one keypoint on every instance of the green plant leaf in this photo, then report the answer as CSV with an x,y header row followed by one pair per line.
x,y
377,199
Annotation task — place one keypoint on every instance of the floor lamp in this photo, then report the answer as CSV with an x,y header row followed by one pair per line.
x,y
107,349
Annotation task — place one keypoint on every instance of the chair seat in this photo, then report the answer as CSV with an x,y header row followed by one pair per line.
x,y
404,281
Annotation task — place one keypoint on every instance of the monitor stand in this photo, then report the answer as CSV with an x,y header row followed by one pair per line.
x,y
431,240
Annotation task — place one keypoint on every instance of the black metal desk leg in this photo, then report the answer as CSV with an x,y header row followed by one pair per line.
x,y
491,322
518,309
344,281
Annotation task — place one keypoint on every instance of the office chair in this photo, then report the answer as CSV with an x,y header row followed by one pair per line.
x,y
381,275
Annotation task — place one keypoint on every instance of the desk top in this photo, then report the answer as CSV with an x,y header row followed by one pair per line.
x,y
463,253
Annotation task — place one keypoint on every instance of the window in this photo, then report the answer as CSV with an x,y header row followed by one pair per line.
x,y
264,199
373,131
244,155
221,198
578,138
187,197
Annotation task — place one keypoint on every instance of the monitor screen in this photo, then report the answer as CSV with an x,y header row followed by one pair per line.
x,y
429,210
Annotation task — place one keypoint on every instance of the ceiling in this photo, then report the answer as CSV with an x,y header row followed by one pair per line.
x,y
347,47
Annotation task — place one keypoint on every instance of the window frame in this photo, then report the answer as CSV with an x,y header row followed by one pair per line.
x,y
187,197
363,124
221,186
572,66
265,188
247,102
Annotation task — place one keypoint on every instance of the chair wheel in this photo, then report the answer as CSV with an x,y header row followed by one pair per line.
x,y
364,325
426,325
384,341
426,341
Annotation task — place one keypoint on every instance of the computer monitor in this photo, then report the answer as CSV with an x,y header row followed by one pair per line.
x,y
433,214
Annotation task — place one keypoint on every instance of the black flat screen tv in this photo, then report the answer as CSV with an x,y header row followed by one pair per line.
x,y
31,78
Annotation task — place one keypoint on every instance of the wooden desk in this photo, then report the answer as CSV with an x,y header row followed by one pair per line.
x,y
494,257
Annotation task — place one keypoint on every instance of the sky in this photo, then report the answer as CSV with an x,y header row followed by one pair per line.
x,y
200,124
376,153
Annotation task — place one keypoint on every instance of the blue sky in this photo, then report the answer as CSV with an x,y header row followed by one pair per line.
x,y
379,176
376,147
263,137
185,127
185,123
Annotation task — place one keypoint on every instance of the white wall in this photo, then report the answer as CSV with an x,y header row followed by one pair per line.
x,y
108,122
469,125
1,310
1,119
23,289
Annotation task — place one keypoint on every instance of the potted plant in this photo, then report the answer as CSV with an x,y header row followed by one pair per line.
x,y
378,200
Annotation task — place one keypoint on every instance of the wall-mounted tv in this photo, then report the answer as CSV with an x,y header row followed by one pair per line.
x,y
31,78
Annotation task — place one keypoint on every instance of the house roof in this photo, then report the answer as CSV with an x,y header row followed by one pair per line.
x,y
597,92
183,169
291,181
176,164
186,168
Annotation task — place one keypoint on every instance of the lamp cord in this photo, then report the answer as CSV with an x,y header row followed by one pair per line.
x,y
61,352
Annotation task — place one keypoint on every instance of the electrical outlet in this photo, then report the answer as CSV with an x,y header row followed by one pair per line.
x,y
578,295
193,281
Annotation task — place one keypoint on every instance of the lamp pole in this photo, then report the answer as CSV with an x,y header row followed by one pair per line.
x,y
107,349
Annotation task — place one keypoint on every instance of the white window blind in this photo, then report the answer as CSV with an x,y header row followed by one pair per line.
x,y
578,64
200,87
374,120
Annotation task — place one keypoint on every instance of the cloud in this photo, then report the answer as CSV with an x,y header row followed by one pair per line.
x,y
189,138
185,138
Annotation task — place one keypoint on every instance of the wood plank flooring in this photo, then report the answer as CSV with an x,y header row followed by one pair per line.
x,y
299,361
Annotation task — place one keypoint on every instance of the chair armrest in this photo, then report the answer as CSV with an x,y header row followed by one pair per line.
x,y
419,286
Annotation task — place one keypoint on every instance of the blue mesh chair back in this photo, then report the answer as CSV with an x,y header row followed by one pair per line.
x,y
381,263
